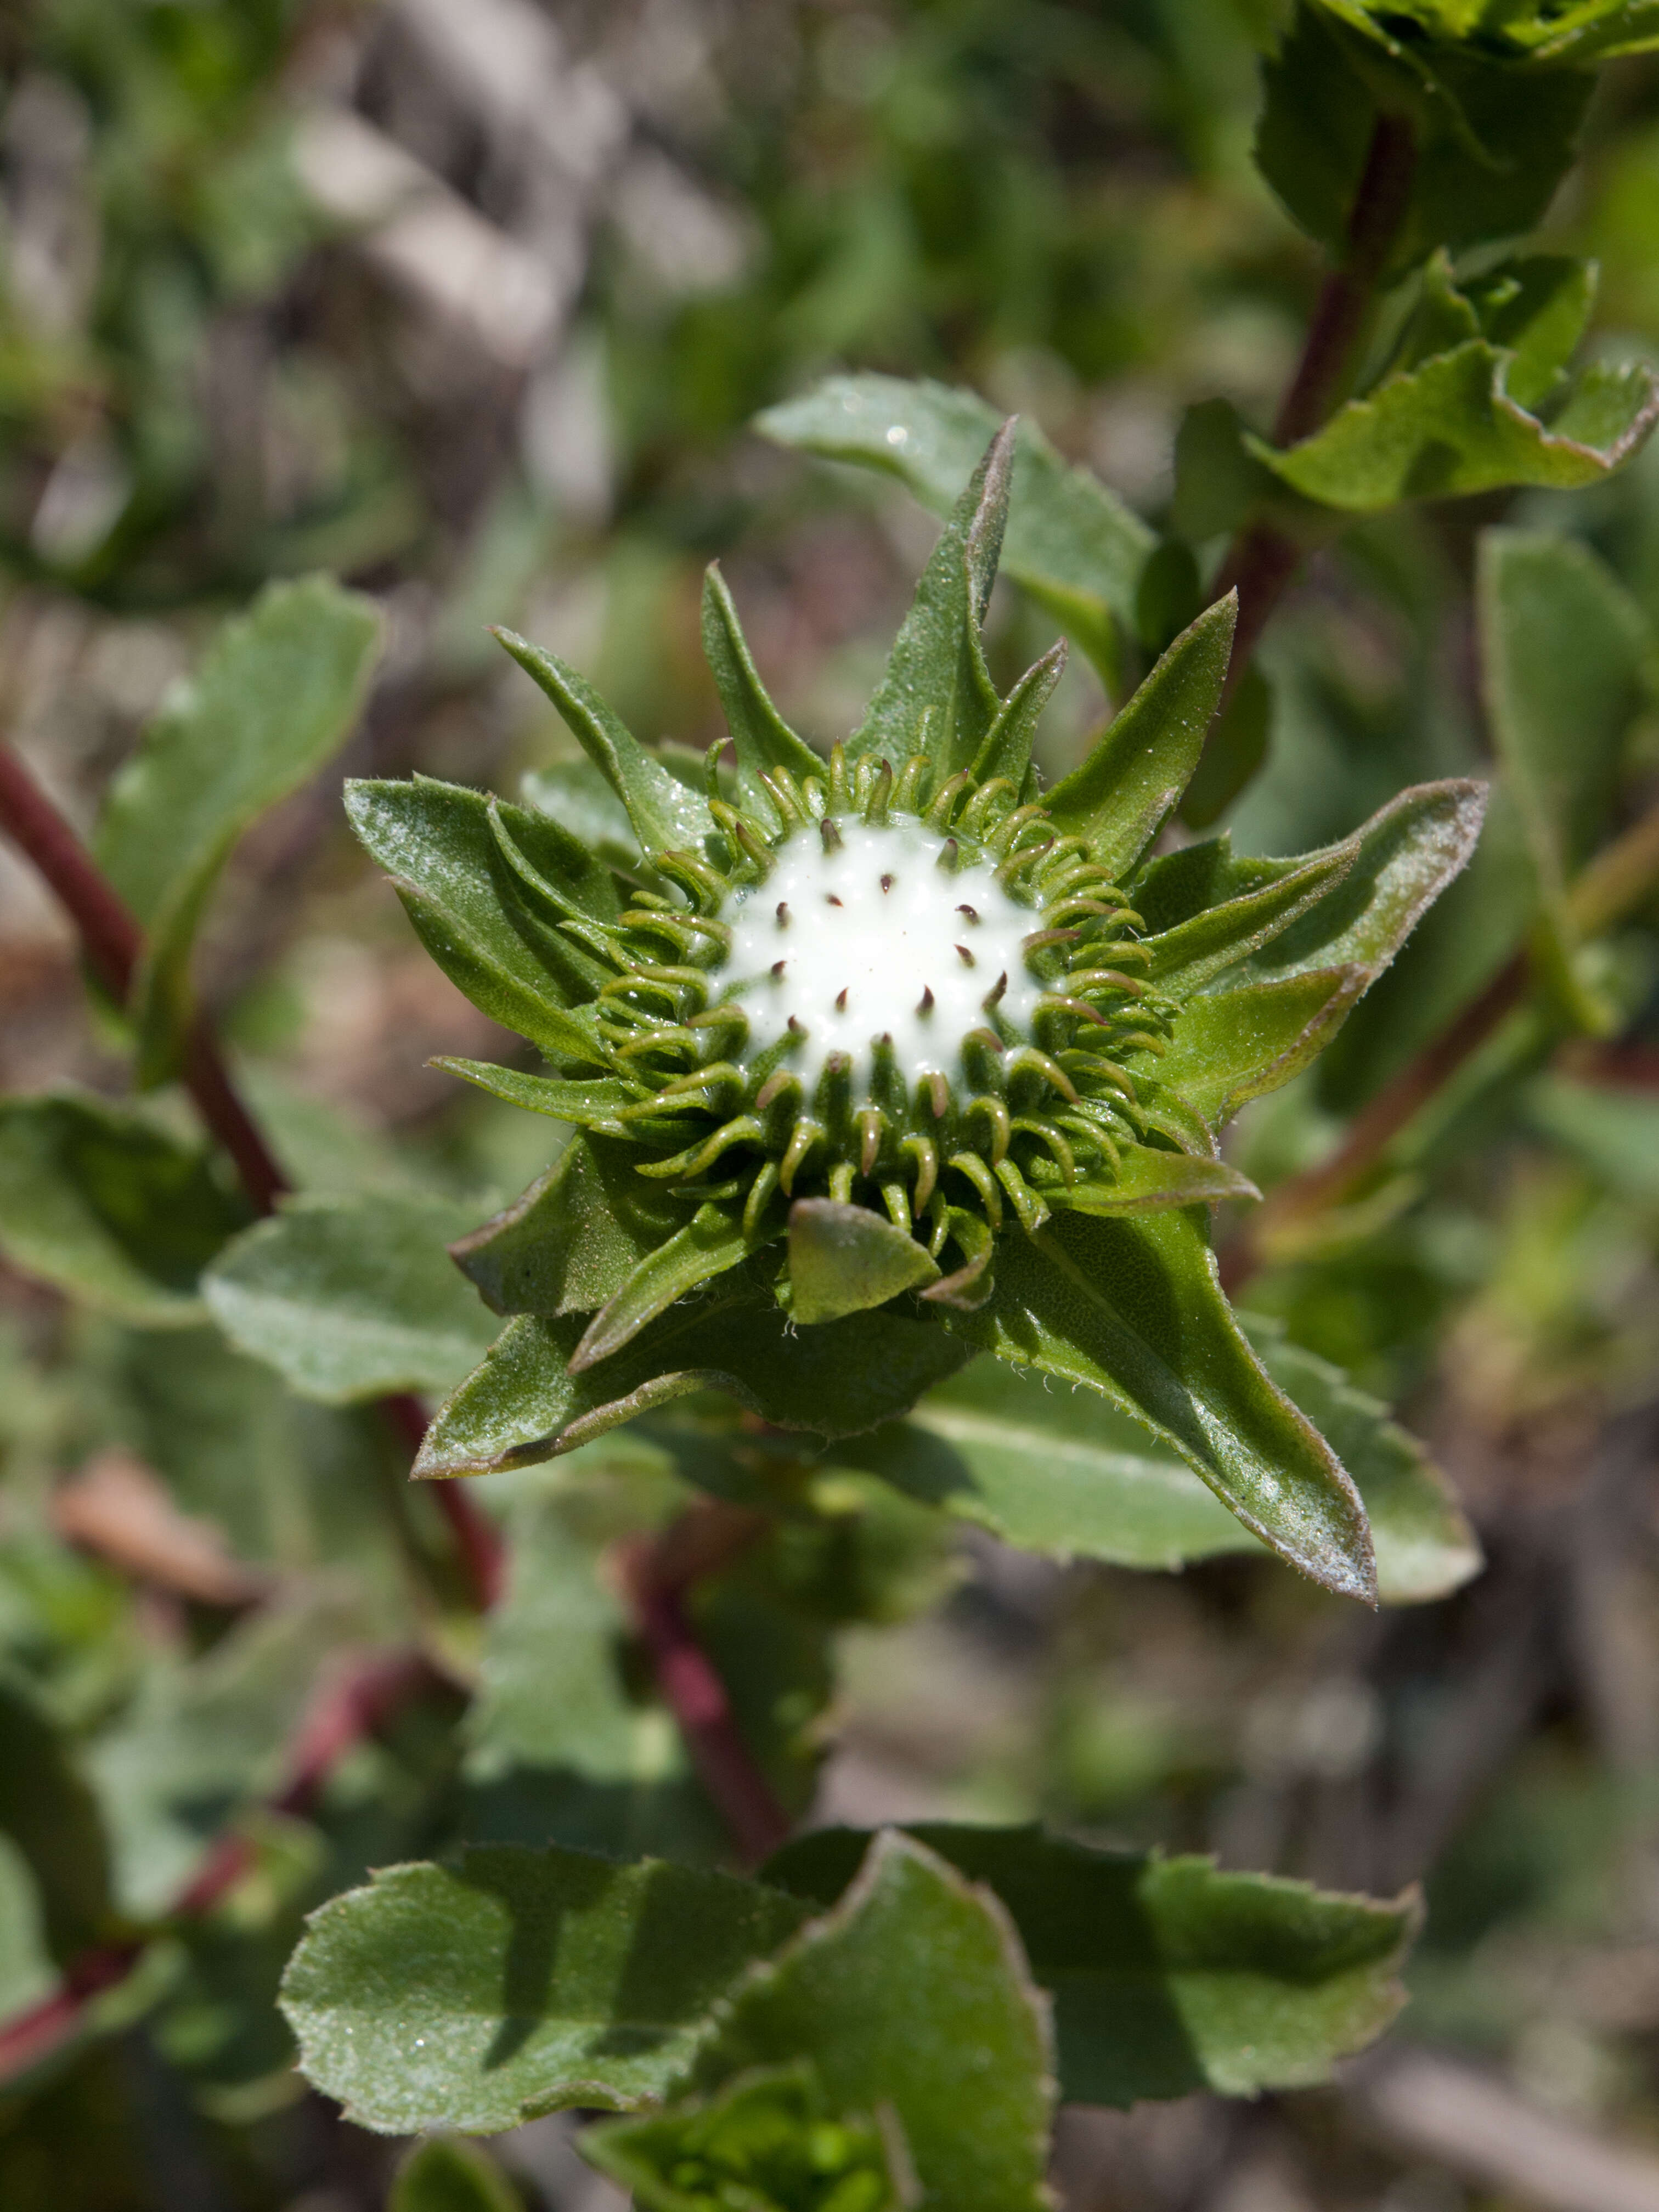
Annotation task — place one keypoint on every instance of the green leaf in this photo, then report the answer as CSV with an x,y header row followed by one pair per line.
x,y
1563,648
1237,749
590,1103
666,815
575,1237
470,907
1597,32
1057,1473
1426,1547
350,1298
844,1258
524,1405
1147,1181
1050,1471
1613,1133
707,1245
517,1983
936,696
912,1991
1392,869
769,2141
49,1811
1536,308
447,2175
1121,795
109,1208
1451,428
1069,542
1232,1046
1167,1975
561,1747
575,793
1216,936
275,696
1493,143
204,1739
1132,1308
1006,749
760,736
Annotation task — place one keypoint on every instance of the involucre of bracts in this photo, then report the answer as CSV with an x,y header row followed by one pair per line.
x,y
898,1029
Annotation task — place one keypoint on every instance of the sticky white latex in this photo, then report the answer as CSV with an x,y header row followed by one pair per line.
x,y
881,920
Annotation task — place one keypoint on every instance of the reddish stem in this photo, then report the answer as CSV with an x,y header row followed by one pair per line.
x,y
113,945
1263,560
354,1705
475,1536
1377,1126
697,1697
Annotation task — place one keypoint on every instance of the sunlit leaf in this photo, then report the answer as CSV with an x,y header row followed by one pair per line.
x,y
518,1981
110,1208
912,1991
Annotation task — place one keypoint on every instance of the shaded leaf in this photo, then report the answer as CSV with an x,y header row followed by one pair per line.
x,y
276,695
1132,1309
769,2140
912,1991
664,814
49,1811
1449,428
518,1981
844,1258
1167,1975
108,1207
350,1298
1120,797
447,2175
1426,1547
1613,1133
707,1245
470,909
572,1241
524,1405
559,1746
1563,648
1237,749
1053,1471
204,1739
1069,542
576,794
1050,1470
1493,143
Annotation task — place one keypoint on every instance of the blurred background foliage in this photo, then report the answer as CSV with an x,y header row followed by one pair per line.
x,y
473,305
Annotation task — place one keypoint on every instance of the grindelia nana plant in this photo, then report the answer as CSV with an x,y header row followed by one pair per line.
x,y
881,1063
874,1065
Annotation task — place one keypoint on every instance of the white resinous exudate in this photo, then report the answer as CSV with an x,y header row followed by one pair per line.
x,y
874,938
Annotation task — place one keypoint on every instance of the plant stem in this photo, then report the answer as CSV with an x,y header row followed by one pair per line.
x,y
113,945
655,1574
1264,560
